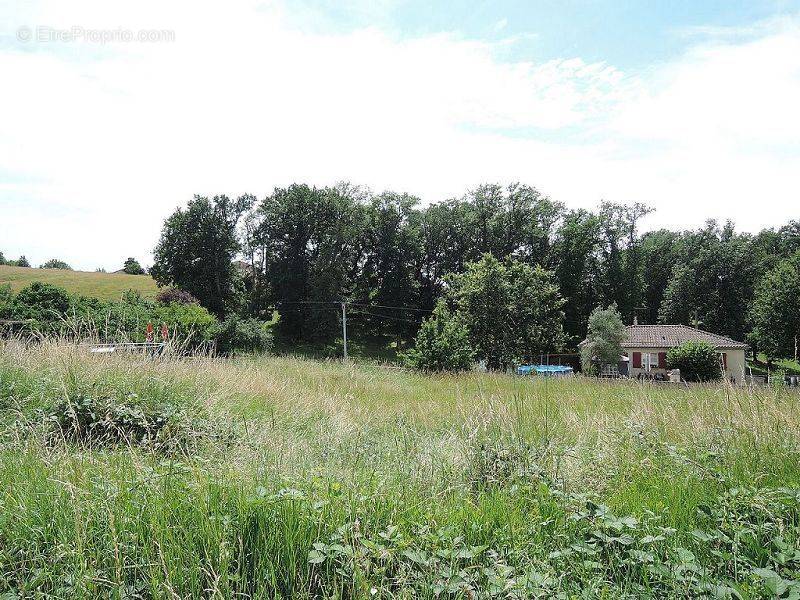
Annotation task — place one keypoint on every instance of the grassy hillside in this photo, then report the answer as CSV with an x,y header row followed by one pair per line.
x,y
106,286
288,478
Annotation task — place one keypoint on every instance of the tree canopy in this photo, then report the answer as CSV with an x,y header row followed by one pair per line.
x,y
55,263
132,267
776,310
513,311
197,248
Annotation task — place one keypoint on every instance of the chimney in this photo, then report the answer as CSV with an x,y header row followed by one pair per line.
x,y
635,320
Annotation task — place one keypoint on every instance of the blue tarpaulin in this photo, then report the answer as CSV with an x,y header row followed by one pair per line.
x,y
544,370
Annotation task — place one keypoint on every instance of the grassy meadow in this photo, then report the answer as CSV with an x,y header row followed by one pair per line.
x,y
104,286
278,477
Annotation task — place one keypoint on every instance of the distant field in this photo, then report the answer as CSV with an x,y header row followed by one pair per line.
x,y
106,286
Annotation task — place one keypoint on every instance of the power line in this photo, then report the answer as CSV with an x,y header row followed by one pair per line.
x,y
353,311
364,312
359,304
425,310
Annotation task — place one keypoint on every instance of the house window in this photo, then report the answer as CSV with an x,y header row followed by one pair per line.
x,y
649,360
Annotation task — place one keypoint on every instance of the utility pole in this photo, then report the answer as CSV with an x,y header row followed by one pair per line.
x,y
344,328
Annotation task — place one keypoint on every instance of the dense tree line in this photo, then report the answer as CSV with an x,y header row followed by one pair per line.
x,y
304,248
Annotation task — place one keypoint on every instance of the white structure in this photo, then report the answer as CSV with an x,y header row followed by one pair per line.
x,y
647,346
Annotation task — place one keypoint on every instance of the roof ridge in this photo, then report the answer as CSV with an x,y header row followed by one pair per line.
x,y
674,333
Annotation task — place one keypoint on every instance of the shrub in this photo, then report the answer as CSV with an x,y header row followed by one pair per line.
x,y
45,305
55,263
442,344
697,361
23,262
173,295
243,335
97,415
604,338
190,323
126,319
5,298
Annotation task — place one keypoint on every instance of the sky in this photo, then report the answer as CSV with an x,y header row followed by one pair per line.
x,y
114,114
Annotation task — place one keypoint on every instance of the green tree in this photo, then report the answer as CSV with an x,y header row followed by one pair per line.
x,y
620,256
660,251
197,248
442,343
714,287
313,243
697,361
577,269
23,262
392,250
775,313
55,263
444,247
513,311
604,338
132,267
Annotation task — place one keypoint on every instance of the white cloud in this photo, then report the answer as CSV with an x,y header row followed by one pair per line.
x,y
106,140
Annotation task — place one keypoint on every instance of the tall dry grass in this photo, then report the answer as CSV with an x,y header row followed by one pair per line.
x,y
302,449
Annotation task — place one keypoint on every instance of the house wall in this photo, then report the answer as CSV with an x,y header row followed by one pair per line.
x,y
734,372
736,366
635,372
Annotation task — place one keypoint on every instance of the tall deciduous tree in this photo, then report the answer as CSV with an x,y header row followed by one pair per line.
x,y
312,243
513,311
620,281
713,288
577,269
660,251
776,310
196,251
392,254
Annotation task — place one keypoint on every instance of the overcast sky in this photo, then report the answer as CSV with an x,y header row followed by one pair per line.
x,y
690,106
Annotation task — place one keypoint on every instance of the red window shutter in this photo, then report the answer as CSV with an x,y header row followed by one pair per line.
x,y
662,360
637,360
725,361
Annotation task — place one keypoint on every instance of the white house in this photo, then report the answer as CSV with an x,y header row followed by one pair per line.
x,y
646,349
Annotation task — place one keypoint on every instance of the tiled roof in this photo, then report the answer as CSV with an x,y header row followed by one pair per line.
x,y
667,336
